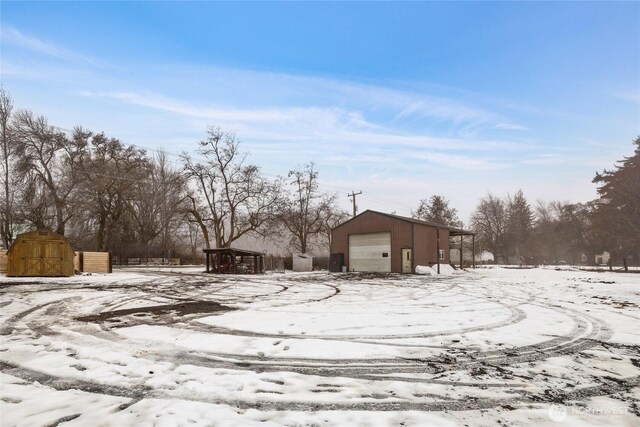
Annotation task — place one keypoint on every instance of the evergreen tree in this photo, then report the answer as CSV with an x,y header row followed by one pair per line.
x,y
617,212
436,209
519,225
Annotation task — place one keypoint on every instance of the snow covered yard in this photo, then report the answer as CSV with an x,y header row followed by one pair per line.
x,y
178,347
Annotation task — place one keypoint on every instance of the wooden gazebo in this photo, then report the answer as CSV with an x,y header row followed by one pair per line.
x,y
234,261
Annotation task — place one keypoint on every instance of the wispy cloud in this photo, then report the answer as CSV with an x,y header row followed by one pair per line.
x,y
629,96
336,121
546,160
12,36
462,162
401,105
510,126
264,115
323,125
445,110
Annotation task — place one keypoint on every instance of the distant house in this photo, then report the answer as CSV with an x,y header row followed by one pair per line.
x,y
379,242
302,262
603,258
486,256
483,257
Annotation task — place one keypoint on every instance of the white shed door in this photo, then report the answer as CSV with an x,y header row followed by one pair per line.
x,y
370,252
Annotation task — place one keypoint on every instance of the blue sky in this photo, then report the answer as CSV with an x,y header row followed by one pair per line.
x,y
399,100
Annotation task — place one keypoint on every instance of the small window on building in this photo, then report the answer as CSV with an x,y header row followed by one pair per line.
x,y
441,254
385,254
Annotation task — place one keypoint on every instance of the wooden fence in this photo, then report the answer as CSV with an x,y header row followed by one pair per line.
x,y
146,261
95,262
4,260
86,262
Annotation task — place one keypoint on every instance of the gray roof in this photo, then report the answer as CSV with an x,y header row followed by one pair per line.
x,y
452,230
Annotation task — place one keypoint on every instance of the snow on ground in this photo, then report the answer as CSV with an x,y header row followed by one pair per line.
x,y
175,346
445,269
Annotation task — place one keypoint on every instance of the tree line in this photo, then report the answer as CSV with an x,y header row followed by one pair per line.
x,y
517,232
105,195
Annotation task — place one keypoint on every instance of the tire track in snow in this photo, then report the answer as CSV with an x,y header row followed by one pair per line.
x,y
587,332
139,393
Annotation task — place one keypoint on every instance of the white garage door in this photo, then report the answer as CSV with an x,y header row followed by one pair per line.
x,y
370,252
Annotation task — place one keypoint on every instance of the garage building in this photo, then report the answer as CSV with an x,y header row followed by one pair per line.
x,y
379,242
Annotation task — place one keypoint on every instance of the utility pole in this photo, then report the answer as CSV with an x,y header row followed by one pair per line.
x,y
353,197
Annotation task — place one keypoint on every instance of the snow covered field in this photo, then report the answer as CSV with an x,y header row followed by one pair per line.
x,y
174,347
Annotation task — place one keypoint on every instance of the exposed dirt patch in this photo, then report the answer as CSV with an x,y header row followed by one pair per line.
x,y
8,285
371,276
180,309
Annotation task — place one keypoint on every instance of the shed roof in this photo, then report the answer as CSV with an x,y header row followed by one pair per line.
x,y
453,231
38,234
236,251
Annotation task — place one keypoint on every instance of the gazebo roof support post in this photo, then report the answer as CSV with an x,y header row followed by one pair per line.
x,y
473,249
438,248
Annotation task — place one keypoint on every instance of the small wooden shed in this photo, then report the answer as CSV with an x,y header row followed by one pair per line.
x,y
40,253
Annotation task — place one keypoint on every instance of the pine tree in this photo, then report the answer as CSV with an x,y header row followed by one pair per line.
x,y
436,209
617,213
519,225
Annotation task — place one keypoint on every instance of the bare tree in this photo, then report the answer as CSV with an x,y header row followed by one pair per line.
x,y
333,217
195,213
306,209
489,221
156,204
51,158
563,231
34,208
194,239
547,245
9,176
238,198
111,175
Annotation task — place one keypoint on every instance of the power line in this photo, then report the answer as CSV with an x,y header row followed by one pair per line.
x,y
392,204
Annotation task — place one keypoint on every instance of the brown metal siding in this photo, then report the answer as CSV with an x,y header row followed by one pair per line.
x,y
424,245
370,222
421,238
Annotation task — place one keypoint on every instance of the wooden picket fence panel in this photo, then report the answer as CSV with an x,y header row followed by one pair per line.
x,y
95,262
86,262
4,261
